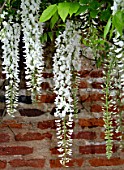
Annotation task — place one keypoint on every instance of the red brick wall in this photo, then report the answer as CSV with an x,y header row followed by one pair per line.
x,y
28,141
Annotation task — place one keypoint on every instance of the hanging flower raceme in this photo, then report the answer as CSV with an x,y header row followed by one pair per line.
x,y
113,91
91,39
10,36
66,60
32,30
119,84
114,86
118,41
110,100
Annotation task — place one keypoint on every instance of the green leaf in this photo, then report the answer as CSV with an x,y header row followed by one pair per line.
x,y
63,10
107,27
98,62
105,15
93,13
82,9
48,13
57,33
50,35
111,31
54,20
43,38
74,6
118,21
84,2
62,25
94,5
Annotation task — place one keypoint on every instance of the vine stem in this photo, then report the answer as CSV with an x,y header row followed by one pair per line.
x,y
3,6
65,142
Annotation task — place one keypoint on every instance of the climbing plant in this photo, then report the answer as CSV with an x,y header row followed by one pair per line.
x,y
98,25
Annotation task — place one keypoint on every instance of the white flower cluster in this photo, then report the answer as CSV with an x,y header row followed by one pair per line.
x,y
2,18
66,57
119,82
118,4
10,36
32,31
118,39
64,133
90,35
110,99
119,52
114,77
66,60
114,91
119,69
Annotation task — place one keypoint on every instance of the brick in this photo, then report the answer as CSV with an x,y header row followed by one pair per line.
x,y
15,150
35,163
95,97
96,108
96,73
31,112
46,124
76,162
92,122
83,85
84,135
47,75
73,163
84,97
84,73
97,85
49,124
111,109
32,136
3,164
91,97
115,136
106,162
94,149
55,164
54,151
45,85
11,124
4,137
46,98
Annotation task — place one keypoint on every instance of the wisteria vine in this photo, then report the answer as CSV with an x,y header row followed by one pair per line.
x,y
66,61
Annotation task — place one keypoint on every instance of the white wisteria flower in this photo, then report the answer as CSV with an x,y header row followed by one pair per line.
x,y
66,61
114,80
10,37
117,5
66,56
32,30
